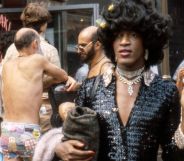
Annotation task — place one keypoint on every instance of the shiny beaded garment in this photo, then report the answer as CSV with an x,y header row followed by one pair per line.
x,y
152,121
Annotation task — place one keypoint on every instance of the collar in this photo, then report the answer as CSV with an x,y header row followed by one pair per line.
x,y
148,76
42,38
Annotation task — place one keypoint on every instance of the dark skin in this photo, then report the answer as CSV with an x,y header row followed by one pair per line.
x,y
133,60
70,151
129,51
125,102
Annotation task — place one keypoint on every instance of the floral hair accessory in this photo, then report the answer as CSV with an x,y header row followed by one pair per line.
x,y
101,23
111,8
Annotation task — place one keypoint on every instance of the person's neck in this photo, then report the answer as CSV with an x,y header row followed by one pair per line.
x,y
130,68
23,53
42,34
97,59
130,74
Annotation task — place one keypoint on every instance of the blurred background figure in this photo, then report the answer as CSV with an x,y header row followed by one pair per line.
x,y
91,51
6,39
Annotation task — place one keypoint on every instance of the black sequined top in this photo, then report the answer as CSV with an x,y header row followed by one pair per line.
x,y
152,122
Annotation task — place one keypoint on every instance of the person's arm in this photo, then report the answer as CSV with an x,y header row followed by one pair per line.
x,y
64,108
48,81
180,80
179,134
58,75
182,114
53,57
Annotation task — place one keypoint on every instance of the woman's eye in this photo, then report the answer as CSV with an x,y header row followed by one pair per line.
x,y
120,36
134,35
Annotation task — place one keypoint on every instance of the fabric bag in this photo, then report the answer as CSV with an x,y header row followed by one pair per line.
x,y
82,124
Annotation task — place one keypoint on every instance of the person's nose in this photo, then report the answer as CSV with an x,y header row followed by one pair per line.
x,y
125,39
79,52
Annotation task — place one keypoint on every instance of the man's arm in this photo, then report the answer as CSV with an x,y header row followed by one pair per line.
x,y
58,75
48,81
53,58
180,86
179,134
182,113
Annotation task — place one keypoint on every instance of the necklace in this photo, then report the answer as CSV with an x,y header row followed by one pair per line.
x,y
98,61
130,75
135,80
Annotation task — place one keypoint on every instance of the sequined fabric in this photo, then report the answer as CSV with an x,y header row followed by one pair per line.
x,y
152,121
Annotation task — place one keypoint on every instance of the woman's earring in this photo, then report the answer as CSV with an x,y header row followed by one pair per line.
x,y
146,55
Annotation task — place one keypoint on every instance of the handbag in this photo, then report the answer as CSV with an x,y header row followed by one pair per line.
x,y
82,124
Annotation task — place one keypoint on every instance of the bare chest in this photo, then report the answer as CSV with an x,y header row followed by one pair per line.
x,y
125,101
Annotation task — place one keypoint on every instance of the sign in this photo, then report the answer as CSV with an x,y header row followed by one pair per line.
x,y
13,3
5,23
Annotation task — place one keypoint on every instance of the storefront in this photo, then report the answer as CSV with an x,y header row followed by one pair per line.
x,y
69,17
67,21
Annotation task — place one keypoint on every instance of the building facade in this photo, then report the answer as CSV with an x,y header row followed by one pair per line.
x,y
70,16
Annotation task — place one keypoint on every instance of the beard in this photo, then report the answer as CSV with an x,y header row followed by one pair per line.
x,y
90,55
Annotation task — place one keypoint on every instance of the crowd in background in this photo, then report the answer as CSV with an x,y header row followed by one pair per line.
x,y
136,109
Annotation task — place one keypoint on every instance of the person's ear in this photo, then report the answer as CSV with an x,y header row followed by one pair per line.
x,y
98,45
43,28
34,44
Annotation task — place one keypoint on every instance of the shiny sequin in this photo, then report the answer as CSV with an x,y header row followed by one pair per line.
x,y
153,121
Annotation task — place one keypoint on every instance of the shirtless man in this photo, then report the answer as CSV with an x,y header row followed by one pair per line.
x,y
22,92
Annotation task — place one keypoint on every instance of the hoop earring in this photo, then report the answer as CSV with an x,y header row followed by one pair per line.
x,y
146,55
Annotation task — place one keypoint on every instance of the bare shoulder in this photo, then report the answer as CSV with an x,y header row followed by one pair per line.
x,y
106,66
39,58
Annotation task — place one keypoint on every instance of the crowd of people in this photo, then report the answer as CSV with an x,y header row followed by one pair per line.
x,y
138,112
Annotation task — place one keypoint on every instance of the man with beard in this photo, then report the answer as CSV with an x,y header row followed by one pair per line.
x,y
91,51
93,56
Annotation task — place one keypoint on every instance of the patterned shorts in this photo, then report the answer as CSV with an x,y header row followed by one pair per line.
x,y
19,139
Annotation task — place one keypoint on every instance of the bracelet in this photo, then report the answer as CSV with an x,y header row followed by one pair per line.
x,y
179,137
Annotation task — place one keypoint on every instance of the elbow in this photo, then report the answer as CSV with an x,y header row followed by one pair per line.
x,y
63,78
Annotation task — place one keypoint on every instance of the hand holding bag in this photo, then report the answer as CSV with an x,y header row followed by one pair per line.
x,y
82,124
